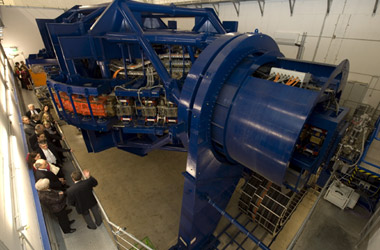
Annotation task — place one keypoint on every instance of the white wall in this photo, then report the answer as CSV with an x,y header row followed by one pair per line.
x,y
17,207
20,28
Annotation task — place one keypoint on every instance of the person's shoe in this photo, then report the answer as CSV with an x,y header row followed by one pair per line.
x,y
99,223
72,230
71,222
90,227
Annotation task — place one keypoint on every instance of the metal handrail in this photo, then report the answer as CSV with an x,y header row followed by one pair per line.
x,y
11,83
311,212
105,216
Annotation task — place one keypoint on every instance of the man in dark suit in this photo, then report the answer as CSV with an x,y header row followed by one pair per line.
x,y
42,172
50,152
32,111
51,138
80,195
33,140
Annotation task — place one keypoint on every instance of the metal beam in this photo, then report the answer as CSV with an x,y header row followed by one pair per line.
x,y
301,46
375,7
291,6
261,5
216,8
237,7
329,2
236,4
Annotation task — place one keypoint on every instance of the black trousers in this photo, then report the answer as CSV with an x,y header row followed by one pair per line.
x,y
98,217
63,220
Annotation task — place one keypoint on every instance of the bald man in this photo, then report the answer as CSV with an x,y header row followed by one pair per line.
x,y
42,172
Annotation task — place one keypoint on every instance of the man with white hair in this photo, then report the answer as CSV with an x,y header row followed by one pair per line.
x,y
55,201
32,111
42,172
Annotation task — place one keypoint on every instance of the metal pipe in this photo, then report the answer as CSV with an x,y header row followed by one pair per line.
x,y
89,107
143,62
183,61
238,225
170,61
371,164
122,48
69,92
60,102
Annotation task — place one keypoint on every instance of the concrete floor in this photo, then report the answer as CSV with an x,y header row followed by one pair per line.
x,y
331,228
143,194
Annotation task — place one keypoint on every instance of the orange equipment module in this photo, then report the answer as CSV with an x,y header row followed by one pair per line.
x,y
101,105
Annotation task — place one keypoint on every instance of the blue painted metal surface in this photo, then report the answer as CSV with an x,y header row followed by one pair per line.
x,y
239,226
267,147
203,91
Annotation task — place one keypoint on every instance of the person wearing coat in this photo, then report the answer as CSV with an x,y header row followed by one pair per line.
x,y
28,127
32,111
50,152
46,112
80,195
42,172
55,202
25,76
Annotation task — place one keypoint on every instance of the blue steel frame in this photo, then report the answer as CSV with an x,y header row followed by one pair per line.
x,y
229,118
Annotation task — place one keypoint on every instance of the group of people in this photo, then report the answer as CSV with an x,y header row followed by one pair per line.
x,y
46,159
21,72
56,197
42,135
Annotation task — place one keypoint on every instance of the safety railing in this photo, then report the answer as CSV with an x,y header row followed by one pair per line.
x,y
369,228
122,238
18,181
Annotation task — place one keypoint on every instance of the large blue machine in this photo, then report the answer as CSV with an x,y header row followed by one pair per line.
x,y
133,78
